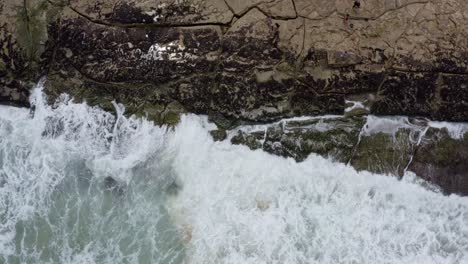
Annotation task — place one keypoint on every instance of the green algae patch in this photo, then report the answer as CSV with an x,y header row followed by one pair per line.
x,y
328,137
442,159
250,140
159,110
384,153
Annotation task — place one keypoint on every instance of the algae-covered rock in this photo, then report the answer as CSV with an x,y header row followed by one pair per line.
x,y
161,114
221,121
384,152
219,134
329,137
384,145
443,159
155,106
251,140
357,112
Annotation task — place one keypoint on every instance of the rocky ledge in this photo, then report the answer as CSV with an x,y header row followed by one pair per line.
x,y
242,61
436,151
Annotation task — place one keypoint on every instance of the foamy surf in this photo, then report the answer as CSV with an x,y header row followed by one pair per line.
x,y
78,185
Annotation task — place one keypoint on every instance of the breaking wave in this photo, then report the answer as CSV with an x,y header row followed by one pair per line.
x,y
79,185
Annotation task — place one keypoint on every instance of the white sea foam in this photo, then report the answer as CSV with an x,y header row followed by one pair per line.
x,y
456,130
388,125
250,207
182,198
355,105
263,127
391,124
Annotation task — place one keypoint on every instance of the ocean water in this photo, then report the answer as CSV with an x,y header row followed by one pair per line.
x,y
78,185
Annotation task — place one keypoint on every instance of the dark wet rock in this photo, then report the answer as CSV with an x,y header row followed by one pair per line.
x,y
443,160
452,98
219,134
306,101
162,12
194,93
356,83
14,93
435,95
410,94
221,121
134,55
442,61
253,141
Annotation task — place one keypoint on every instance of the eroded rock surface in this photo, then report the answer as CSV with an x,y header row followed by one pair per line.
x,y
148,12
249,60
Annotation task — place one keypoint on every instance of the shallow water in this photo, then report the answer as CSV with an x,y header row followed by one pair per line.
x,y
80,186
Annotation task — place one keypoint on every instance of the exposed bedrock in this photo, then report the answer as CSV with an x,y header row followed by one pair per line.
x,y
244,61
248,60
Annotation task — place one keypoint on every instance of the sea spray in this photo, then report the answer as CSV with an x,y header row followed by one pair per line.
x,y
55,200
